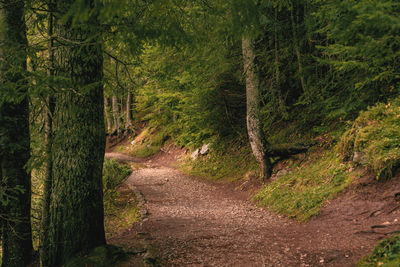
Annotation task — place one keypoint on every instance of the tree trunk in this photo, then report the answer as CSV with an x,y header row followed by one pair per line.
x,y
128,124
115,109
76,207
258,144
297,51
107,115
48,139
277,87
277,78
14,138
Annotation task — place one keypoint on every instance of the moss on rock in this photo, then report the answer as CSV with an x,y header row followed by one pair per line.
x,y
374,139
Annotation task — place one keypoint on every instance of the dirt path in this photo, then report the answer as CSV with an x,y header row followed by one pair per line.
x,y
193,223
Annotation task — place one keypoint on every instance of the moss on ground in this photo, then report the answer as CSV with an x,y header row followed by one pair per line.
x,y
302,192
386,254
374,139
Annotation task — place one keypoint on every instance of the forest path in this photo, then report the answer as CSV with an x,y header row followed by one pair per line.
x,y
196,223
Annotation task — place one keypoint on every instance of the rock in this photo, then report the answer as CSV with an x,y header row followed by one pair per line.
x,y
359,157
251,176
148,146
205,148
282,172
195,154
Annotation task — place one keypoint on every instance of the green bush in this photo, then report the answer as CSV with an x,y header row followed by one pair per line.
x,y
386,254
375,137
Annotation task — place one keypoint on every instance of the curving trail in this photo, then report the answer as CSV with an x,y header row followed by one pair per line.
x,y
194,223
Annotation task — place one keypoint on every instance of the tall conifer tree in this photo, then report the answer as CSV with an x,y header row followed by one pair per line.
x,y
76,204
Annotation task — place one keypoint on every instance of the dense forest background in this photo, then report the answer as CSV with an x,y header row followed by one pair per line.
x,y
287,73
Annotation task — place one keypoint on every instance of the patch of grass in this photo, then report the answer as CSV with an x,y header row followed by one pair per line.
x,y
302,192
147,143
120,207
386,254
375,137
227,163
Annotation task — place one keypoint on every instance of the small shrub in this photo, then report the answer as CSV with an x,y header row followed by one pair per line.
x,y
386,254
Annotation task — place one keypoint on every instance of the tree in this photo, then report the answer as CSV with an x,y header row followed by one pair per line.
x,y
15,184
263,151
48,139
76,204
257,140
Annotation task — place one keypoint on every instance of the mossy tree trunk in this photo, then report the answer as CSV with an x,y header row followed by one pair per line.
x,y
14,137
76,206
48,140
263,151
257,141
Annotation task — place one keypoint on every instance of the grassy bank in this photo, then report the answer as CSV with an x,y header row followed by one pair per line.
x,y
224,162
147,143
302,190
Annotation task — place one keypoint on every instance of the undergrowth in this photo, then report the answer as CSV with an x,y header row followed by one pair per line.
x,y
374,139
120,208
223,163
303,191
386,254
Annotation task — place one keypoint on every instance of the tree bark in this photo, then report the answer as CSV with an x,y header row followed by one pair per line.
x,y
128,124
48,140
14,137
76,207
277,78
277,87
257,141
297,51
115,108
107,115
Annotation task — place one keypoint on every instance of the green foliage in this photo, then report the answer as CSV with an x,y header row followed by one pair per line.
x,y
361,52
198,95
302,192
375,137
386,254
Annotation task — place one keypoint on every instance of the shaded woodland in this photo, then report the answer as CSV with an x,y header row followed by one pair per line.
x,y
272,78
